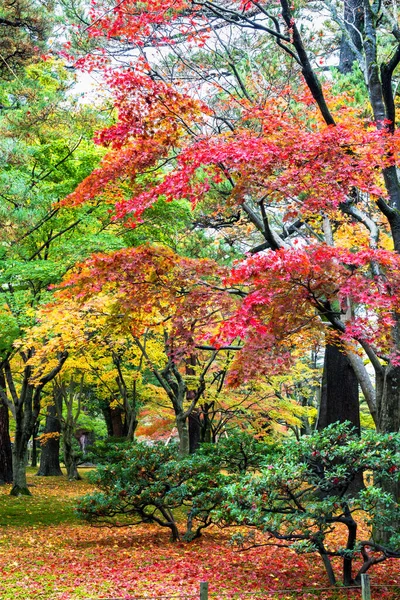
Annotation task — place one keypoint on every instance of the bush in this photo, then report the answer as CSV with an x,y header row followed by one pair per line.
x,y
298,494
139,483
303,495
147,484
239,453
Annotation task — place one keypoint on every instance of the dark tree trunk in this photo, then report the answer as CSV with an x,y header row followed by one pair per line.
x,y
19,454
106,410
50,456
206,422
354,23
117,423
194,431
339,395
6,472
34,456
388,399
388,411
340,398
24,424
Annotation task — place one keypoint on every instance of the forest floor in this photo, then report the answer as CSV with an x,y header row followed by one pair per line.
x,y
46,553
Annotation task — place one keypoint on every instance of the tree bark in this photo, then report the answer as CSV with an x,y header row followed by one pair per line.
x,y
206,422
20,486
117,424
339,394
6,472
49,458
194,431
388,399
388,412
340,399
353,14
105,409
70,458
183,433
34,455
23,432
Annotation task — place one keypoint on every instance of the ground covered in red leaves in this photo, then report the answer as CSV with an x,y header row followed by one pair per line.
x,y
46,553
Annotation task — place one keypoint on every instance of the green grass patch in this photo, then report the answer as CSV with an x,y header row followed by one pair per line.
x,y
52,502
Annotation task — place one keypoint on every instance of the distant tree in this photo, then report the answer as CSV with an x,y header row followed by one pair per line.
x,y
41,161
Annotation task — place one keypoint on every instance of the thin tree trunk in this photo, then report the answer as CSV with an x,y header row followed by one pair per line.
x,y
70,458
34,456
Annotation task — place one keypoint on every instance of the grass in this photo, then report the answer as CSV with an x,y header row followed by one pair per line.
x,y
52,501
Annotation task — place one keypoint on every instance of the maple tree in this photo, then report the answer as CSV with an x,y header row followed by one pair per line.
x,y
319,161
157,297
311,168
164,309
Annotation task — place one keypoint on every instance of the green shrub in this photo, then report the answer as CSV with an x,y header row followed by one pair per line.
x,y
304,494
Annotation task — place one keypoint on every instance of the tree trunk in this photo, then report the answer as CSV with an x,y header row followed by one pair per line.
x,y
6,473
339,394
340,399
20,486
206,422
34,456
23,433
183,433
353,13
388,411
388,399
105,409
70,458
118,426
194,431
49,458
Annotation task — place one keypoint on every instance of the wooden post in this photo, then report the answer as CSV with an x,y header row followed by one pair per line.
x,y
203,590
365,587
